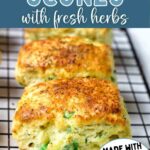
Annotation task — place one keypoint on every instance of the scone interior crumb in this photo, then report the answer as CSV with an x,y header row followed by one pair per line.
x,y
70,113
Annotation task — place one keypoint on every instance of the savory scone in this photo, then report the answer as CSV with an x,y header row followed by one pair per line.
x,y
103,35
70,114
66,57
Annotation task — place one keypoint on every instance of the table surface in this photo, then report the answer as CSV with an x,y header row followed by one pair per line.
x,y
141,41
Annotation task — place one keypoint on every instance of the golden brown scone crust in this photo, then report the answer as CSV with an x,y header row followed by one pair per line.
x,y
63,58
88,30
96,34
92,100
60,111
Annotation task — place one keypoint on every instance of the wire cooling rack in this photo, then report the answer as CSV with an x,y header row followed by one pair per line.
x,y
131,80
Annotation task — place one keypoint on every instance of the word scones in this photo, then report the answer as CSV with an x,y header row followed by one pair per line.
x,y
67,3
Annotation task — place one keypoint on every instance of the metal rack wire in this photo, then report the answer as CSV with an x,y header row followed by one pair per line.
x,y
131,80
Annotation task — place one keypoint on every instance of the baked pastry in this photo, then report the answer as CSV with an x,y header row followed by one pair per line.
x,y
70,114
66,57
103,35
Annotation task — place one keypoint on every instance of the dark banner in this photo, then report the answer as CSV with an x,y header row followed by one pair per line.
x,y
75,13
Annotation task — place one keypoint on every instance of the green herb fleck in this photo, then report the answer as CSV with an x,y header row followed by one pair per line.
x,y
113,79
99,134
73,146
51,77
86,140
44,147
69,130
68,115
68,147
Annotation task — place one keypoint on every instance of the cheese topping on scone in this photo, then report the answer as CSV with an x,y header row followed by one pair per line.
x,y
89,112
67,57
